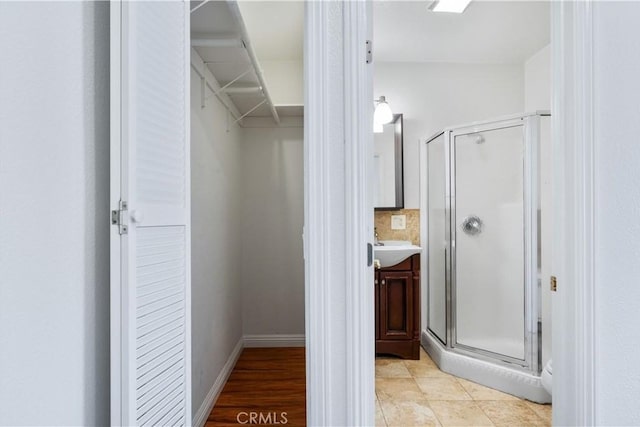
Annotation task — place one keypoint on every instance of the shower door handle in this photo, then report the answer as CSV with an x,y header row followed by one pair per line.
x,y
472,225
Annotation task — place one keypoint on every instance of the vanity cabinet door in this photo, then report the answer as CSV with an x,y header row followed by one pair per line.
x,y
376,292
396,305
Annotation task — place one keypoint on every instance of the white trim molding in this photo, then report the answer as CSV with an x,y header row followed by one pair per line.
x,y
574,176
358,93
276,340
200,418
318,267
338,284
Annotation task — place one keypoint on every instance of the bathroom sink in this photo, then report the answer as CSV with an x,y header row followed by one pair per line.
x,y
392,252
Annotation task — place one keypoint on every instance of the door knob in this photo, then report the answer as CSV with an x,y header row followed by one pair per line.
x,y
137,216
472,225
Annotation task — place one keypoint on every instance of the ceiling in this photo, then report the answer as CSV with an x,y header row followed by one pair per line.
x,y
404,31
487,32
276,28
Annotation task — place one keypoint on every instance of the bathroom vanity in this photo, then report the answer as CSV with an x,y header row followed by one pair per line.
x,y
397,308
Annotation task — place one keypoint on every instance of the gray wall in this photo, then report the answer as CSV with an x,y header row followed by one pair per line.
x,y
247,213
216,324
54,213
272,217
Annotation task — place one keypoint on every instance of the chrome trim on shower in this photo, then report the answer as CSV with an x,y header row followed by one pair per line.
x,y
450,230
444,339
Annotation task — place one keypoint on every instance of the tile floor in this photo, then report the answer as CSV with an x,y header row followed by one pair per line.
x,y
417,393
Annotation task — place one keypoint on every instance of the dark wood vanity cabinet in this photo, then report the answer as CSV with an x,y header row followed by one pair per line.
x,y
397,307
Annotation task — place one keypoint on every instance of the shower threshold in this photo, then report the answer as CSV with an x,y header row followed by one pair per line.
x,y
514,381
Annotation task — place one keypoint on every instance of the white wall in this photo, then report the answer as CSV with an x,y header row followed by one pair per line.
x,y
432,96
617,240
216,238
537,81
272,217
54,213
284,80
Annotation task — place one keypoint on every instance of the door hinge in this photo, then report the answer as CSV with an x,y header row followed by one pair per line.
x,y
119,218
553,284
369,49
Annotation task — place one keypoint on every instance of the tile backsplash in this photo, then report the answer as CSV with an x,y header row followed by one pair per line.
x,y
382,220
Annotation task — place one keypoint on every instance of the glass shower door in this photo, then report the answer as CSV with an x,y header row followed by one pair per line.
x,y
488,237
436,229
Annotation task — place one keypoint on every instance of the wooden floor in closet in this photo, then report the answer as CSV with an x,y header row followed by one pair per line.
x,y
266,383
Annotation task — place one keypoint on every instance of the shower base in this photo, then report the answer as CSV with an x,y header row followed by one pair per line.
x,y
508,380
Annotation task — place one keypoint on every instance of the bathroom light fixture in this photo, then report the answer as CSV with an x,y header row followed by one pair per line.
x,y
382,114
377,127
452,6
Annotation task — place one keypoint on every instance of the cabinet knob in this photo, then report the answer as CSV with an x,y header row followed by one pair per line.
x,y
376,281
384,282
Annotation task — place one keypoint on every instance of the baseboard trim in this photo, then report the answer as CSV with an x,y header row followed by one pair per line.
x,y
205,409
278,340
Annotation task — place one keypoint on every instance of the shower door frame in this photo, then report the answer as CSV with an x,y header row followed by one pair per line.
x,y
424,237
530,123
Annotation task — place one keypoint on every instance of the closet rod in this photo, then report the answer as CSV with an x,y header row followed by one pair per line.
x,y
251,110
200,5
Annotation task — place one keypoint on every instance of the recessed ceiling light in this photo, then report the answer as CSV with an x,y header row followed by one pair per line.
x,y
452,6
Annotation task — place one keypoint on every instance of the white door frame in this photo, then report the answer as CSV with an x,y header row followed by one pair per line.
x,y
573,252
114,197
338,158
338,395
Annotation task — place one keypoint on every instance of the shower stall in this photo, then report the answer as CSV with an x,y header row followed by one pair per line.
x,y
481,219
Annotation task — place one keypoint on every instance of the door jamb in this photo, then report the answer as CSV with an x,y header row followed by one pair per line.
x,y
338,215
574,203
115,130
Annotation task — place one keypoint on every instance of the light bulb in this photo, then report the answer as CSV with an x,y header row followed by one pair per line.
x,y
382,114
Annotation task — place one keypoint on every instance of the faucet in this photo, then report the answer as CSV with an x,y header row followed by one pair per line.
x,y
376,242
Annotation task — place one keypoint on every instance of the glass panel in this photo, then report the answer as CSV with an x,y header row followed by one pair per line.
x,y
437,239
489,233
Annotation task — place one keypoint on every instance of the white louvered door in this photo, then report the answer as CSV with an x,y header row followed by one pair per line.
x,y
150,295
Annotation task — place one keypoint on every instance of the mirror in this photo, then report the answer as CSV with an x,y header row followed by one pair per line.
x,y
388,166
